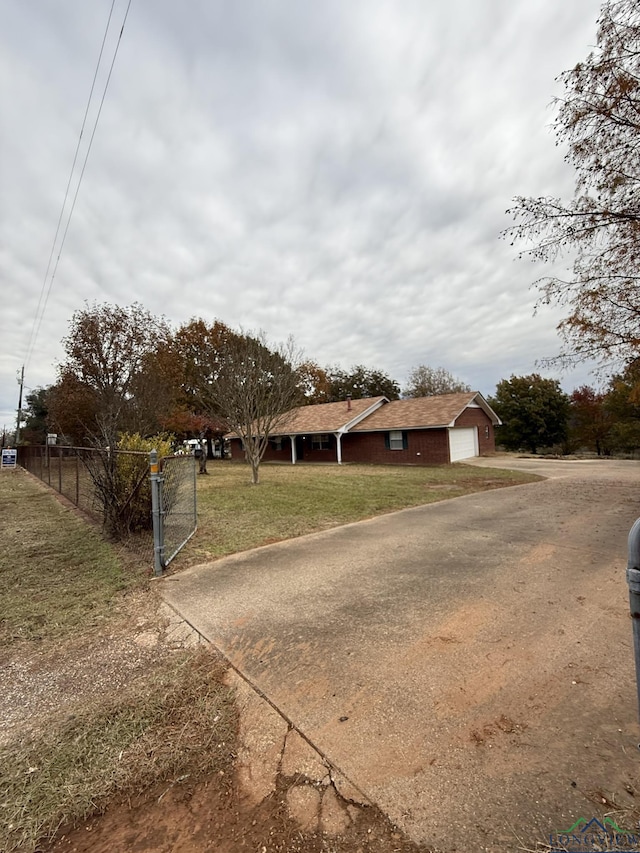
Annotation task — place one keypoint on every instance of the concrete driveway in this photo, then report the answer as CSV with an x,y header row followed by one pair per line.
x,y
467,665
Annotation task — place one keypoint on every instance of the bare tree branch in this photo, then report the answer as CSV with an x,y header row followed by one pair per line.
x,y
599,229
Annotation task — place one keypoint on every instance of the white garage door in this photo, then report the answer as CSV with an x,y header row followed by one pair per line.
x,y
463,443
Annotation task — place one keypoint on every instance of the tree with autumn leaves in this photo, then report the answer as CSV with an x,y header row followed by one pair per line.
x,y
126,371
590,421
538,415
598,230
598,124
106,383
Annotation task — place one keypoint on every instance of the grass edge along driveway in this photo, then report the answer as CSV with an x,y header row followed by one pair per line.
x,y
292,501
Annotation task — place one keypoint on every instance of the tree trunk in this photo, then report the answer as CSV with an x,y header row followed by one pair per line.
x,y
203,456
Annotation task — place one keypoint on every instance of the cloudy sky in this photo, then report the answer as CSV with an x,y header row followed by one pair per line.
x,y
338,171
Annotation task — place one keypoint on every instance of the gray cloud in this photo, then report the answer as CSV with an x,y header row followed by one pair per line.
x,y
338,171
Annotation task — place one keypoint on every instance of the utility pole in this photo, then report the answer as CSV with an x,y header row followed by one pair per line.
x,y
21,383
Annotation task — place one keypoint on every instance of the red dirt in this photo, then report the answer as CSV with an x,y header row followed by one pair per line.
x,y
212,815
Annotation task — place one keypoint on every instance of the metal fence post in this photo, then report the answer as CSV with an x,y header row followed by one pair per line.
x,y
194,484
156,510
633,579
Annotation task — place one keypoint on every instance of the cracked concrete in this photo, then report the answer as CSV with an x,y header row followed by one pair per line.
x,y
273,755
299,758
262,740
177,632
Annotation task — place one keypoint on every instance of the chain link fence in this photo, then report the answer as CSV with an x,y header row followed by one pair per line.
x,y
115,489
175,508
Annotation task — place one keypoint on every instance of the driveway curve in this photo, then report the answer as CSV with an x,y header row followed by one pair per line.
x,y
468,664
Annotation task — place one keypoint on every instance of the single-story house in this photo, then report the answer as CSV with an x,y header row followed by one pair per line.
x,y
421,431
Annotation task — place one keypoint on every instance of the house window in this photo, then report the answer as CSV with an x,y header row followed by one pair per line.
x,y
276,443
320,442
486,432
396,440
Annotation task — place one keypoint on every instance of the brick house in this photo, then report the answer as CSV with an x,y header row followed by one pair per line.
x,y
422,431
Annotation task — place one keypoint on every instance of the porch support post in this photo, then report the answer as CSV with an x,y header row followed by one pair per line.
x,y
338,436
292,439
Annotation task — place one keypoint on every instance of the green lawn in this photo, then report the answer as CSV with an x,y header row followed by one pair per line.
x,y
291,500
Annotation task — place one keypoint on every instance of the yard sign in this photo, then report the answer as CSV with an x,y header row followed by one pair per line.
x,y
9,458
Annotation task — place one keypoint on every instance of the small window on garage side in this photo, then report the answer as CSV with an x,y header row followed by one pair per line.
x,y
397,440
320,442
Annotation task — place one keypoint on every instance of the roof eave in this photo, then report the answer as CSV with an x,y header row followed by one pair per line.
x,y
486,408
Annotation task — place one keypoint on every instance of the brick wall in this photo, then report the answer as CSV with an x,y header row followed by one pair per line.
x,y
273,455
235,447
284,455
270,454
425,447
486,434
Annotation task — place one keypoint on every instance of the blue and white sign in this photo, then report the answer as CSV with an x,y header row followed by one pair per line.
x,y
9,457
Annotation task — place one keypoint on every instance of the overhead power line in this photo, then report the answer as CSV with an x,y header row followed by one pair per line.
x,y
47,284
66,194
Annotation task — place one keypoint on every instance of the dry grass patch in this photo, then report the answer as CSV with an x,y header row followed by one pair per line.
x,y
58,575
176,722
144,715
291,501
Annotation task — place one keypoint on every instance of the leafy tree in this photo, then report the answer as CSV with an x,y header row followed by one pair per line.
x,y
622,404
35,413
155,390
254,387
197,352
427,381
185,424
73,409
194,358
106,365
598,120
590,422
534,412
361,382
315,384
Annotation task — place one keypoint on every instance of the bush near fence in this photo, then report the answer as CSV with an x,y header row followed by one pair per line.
x,y
113,487
122,483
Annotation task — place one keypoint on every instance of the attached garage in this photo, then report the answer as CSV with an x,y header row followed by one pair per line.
x,y
463,443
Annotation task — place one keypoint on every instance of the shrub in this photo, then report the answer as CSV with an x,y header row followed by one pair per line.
x,y
121,479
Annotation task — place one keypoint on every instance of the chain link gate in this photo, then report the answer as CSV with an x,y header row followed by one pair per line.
x,y
113,488
173,506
